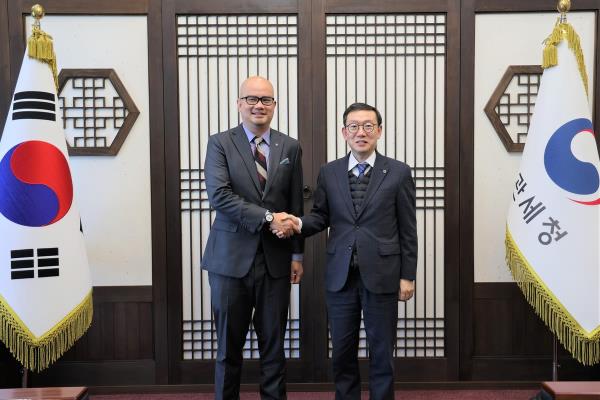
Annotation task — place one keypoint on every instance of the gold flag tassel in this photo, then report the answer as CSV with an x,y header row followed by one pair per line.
x,y
40,45
36,354
585,347
564,31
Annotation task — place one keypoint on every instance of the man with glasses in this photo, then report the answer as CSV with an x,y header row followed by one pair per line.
x,y
253,178
368,202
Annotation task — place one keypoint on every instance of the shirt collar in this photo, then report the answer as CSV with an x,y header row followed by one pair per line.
x,y
266,136
352,161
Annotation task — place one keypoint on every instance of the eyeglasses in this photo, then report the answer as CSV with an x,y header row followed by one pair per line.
x,y
368,127
253,100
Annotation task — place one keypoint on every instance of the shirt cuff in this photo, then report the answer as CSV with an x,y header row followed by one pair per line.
x,y
299,223
298,257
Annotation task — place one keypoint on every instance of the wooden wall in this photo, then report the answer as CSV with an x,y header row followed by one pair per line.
x,y
499,336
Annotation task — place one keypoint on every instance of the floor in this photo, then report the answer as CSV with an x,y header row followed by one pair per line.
x,y
400,395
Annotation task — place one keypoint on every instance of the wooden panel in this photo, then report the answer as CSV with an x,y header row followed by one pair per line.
x,y
114,7
157,184
116,373
234,6
452,221
467,74
530,5
172,187
510,342
388,6
305,110
318,154
10,370
122,326
121,330
529,369
505,325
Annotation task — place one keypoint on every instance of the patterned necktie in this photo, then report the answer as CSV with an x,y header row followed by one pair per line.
x,y
362,167
261,162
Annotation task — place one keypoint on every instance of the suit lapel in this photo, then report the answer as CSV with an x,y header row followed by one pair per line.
x,y
275,151
243,146
341,172
377,175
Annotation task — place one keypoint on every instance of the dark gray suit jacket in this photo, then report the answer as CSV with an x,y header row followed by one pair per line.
x,y
384,230
234,192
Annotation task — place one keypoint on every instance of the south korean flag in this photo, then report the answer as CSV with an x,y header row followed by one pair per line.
x,y
45,284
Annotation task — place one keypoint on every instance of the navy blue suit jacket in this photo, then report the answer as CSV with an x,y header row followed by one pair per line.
x,y
383,230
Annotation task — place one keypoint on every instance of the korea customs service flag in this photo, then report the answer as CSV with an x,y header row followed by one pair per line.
x,y
45,285
552,233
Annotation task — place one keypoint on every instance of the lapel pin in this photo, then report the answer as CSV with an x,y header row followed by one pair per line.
x,y
385,171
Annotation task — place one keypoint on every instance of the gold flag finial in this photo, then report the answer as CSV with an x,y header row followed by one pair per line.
x,y
563,6
564,31
39,45
37,12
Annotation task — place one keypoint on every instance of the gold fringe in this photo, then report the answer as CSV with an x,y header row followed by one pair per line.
x,y
564,31
36,354
585,347
41,47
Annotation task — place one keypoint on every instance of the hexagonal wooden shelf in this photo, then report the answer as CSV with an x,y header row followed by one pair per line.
x,y
91,110
493,106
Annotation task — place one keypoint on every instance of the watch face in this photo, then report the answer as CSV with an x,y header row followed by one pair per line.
x,y
269,217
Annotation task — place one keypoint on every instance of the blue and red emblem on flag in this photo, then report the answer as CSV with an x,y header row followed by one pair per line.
x,y
35,184
567,171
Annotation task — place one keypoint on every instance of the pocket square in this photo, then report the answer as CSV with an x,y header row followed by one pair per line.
x,y
285,161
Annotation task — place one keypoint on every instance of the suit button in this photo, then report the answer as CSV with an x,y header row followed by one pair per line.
x,y
349,247
356,227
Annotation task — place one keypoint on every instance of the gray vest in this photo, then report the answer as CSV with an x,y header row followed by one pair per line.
x,y
358,188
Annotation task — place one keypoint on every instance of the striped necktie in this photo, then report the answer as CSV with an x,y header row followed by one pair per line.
x,y
261,162
362,167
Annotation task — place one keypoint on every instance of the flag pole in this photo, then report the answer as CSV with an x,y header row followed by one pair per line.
x,y
37,12
24,377
563,7
555,364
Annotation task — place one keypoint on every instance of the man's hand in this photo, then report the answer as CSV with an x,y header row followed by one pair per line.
x,y
297,272
284,225
407,289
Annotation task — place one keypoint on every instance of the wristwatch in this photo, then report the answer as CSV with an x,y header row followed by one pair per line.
x,y
269,216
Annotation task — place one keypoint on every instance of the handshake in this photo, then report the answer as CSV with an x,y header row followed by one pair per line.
x,y
285,225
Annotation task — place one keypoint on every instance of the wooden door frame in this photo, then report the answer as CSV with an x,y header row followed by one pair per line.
x,y
407,369
197,371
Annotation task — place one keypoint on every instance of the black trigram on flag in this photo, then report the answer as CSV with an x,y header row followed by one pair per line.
x,y
34,105
23,263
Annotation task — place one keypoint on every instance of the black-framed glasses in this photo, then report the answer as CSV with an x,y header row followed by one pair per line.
x,y
368,127
253,100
